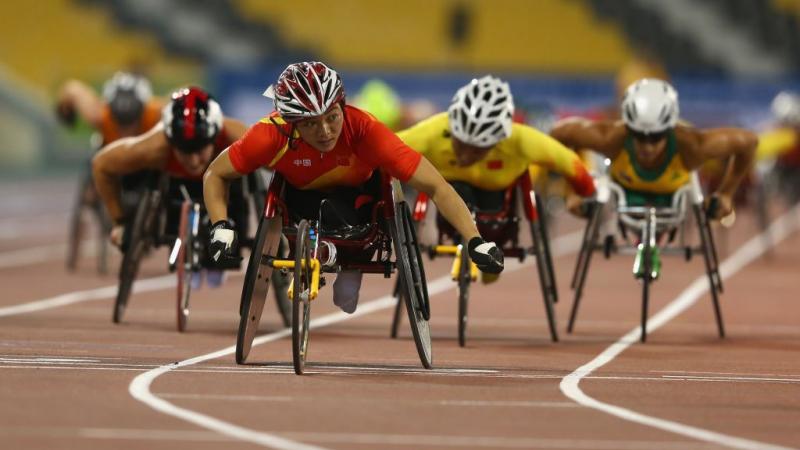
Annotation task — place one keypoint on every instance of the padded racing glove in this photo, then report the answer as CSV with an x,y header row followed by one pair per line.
x,y
223,245
486,255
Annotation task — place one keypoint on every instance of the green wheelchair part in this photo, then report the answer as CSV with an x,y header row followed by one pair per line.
x,y
655,263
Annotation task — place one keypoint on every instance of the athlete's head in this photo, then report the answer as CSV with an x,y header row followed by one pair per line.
x,y
191,122
786,109
650,111
311,96
480,116
126,95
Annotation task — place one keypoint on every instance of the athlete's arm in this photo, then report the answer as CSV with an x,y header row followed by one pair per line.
x,y
738,147
215,186
256,148
428,180
128,155
605,137
543,150
79,97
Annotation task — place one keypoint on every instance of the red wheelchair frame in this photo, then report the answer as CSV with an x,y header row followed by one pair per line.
x,y
370,250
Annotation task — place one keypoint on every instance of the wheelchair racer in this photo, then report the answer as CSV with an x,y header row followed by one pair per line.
x,y
652,154
192,131
127,106
481,153
326,149
781,145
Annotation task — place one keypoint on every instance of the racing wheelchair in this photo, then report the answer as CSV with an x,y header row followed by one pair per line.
x,y
170,212
658,230
502,227
385,244
88,208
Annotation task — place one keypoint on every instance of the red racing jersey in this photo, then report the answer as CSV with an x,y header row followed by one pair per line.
x,y
364,145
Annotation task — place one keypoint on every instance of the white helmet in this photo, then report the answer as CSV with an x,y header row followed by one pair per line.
x,y
786,108
650,106
481,112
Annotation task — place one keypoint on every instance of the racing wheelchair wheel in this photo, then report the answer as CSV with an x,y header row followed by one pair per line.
x,y
142,235
464,280
256,284
414,288
87,202
187,254
544,268
301,297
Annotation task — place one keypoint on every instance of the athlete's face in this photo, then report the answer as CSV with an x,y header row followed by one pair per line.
x,y
649,148
467,155
196,163
322,132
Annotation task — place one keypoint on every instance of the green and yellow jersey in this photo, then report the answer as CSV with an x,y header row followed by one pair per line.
x,y
650,186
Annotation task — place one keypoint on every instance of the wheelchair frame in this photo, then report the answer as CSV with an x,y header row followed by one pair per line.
x,y
649,222
390,229
464,272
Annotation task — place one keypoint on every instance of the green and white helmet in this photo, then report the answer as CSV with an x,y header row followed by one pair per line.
x,y
481,112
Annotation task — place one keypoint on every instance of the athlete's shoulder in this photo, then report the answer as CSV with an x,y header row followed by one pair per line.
x,y
435,126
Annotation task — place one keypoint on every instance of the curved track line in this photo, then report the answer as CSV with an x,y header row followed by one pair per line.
x,y
140,386
755,247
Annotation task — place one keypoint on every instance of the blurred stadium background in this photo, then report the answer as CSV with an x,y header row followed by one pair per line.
x,y
728,58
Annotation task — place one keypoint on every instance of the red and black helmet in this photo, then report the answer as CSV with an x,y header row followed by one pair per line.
x,y
306,89
192,119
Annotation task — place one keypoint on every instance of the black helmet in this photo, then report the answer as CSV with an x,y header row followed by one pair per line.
x,y
192,119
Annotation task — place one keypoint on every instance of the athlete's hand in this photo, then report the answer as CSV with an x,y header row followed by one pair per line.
x,y
66,114
223,246
719,205
577,205
117,232
486,255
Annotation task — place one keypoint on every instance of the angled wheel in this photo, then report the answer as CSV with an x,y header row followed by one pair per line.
x,y
413,289
141,239
464,280
187,254
301,301
712,269
544,269
256,284
543,226
584,258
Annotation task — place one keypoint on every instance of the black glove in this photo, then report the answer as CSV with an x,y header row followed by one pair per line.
x,y
223,246
486,255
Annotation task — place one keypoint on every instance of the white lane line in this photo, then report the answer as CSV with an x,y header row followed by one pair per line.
x,y
140,386
780,229
735,374
417,441
144,285
493,442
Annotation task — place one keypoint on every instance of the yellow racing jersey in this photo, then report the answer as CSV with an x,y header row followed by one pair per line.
x,y
504,163
774,143
664,180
